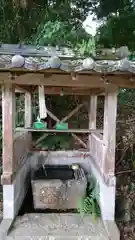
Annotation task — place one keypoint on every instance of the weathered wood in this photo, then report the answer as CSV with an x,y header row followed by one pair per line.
x,y
58,120
96,148
28,110
52,116
92,115
8,121
23,88
87,131
73,112
60,78
109,131
93,111
57,90
14,148
21,146
42,105
73,91
74,136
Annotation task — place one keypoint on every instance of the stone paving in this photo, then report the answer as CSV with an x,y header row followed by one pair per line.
x,y
57,227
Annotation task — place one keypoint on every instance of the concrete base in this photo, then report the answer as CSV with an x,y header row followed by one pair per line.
x,y
106,192
58,226
112,230
13,195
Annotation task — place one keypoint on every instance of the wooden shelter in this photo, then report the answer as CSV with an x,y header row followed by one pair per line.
x,y
26,68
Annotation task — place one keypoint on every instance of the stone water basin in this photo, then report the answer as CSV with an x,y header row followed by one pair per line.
x,y
58,186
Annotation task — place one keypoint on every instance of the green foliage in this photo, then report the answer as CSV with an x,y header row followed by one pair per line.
x,y
118,30
117,23
19,23
126,97
56,142
64,33
89,205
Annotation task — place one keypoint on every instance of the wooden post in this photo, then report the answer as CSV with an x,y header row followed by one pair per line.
x,y
109,131
42,104
92,114
8,122
28,110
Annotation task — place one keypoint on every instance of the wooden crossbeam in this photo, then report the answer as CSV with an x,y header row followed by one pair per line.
x,y
23,88
63,120
87,131
57,78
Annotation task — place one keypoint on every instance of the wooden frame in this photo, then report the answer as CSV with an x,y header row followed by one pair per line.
x,y
8,122
64,120
58,78
102,147
28,110
82,83
109,130
15,146
92,114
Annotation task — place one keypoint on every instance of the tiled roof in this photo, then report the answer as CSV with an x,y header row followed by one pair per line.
x,y
40,58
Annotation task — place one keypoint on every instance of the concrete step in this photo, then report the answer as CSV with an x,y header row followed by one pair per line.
x,y
55,238
57,227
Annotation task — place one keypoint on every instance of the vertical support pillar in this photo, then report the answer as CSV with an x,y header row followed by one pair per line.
x,y
28,110
8,123
109,130
92,114
107,191
42,103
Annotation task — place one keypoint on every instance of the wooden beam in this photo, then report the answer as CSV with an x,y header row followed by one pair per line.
x,y
109,131
28,110
86,131
73,91
63,80
8,122
92,114
88,79
23,88
74,111
93,111
42,105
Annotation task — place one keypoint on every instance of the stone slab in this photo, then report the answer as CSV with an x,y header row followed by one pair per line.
x,y
58,226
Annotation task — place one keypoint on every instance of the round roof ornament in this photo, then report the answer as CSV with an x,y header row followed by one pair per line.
x,y
17,61
54,62
88,63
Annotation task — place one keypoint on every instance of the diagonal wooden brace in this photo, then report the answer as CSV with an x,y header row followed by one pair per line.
x,y
63,120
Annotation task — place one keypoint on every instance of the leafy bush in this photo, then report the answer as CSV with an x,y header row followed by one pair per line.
x,y
89,205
